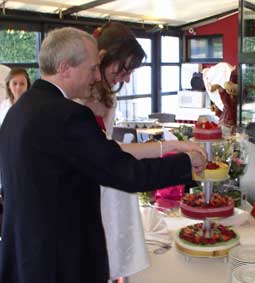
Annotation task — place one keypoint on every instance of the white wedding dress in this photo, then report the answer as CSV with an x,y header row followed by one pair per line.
x,y
123,226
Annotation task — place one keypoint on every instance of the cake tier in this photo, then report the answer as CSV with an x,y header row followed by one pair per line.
x,y
220,173
191,240
205,130
194,206
207,134
206,212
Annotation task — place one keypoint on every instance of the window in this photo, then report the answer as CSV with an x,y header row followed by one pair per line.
x,y
134,99
20,48
170,71
205,49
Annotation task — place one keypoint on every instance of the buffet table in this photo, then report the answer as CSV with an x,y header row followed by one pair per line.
x,y
172,266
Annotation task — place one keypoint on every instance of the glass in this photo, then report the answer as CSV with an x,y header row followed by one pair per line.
x,y
131,109
170,78
169,103
217,47
18,46
205,47
198,48
33,73
140,82
236,193
239,159
146,45
217,152
170,49
248,93
249,26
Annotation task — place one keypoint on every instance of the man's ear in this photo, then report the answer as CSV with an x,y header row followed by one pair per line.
x,y
64,69
101,54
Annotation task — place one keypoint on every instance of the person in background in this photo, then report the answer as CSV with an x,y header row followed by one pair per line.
x,y
52,228
17,82
120,54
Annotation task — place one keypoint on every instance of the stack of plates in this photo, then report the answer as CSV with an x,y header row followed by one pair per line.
x,y
242,255
244,274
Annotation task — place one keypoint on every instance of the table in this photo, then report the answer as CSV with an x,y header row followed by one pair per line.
x,y
172,266
146,134
173,125
150,131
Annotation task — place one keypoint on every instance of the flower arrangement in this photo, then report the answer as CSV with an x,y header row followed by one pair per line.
x,y
239,158
183,132
235,152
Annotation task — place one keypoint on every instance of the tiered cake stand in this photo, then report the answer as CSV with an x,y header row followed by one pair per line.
x,y
207,185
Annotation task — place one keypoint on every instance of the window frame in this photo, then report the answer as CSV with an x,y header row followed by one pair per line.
x,y
209,50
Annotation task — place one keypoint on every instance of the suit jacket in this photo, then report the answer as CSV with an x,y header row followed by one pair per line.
x,y
53,156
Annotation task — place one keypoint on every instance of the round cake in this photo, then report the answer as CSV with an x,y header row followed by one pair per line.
x,y
214,171
205,130
195,241
194,206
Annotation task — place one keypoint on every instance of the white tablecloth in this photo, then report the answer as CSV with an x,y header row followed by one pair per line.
x,y
173,267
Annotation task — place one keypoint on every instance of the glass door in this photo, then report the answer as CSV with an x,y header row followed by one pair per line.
x,y
246,62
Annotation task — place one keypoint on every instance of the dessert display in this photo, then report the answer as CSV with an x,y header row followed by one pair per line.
x,y
206,130
214,171
208,239
196,240
195,206
253,211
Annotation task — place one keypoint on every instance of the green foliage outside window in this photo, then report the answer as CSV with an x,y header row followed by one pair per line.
x,y
18,46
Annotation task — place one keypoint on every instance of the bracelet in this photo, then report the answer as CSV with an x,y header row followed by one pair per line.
x,y
161,149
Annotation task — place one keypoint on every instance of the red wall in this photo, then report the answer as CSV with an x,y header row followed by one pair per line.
x,y
228,27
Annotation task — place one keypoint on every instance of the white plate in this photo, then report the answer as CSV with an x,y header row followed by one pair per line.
x,y
244,274
243,253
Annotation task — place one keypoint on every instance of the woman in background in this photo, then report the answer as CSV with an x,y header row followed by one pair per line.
x,y
17,82
120,54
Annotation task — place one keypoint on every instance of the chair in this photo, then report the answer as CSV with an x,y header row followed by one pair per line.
x,y
162,117
124,134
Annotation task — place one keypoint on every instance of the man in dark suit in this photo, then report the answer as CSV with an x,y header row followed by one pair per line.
x,y
53,156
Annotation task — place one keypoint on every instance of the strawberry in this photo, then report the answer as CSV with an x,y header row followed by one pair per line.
x,y
214,125
212,166
225,237
253,211
208,125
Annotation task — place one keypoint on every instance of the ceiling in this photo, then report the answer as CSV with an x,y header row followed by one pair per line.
x,y
166,12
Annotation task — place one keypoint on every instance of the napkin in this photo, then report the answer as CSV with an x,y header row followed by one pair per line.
x,y
155,227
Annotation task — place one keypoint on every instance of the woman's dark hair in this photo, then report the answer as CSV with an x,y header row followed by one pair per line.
x,y
120,44
14,72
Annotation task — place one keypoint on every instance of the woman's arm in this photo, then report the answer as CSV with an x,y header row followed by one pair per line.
x,y
153,149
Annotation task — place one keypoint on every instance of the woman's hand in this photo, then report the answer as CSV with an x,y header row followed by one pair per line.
x,y
198,161
188,146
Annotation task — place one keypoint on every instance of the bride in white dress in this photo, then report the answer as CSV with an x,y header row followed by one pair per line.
x,y
120,54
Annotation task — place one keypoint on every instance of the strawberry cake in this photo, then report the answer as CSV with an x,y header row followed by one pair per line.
x,y
193,240
214,171
194,206
206,130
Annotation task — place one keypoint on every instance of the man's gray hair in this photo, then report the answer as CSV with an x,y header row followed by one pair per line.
x,y
63,44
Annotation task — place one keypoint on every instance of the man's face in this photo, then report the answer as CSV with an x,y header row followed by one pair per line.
x,y
85,74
